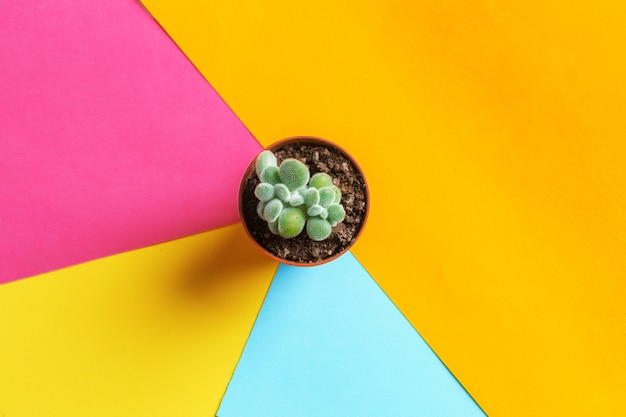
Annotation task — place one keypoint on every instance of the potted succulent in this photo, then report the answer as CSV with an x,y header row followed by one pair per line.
x,y
304,201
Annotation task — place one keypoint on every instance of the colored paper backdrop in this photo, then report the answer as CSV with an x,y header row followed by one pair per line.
x,y
493,139
152,332
110,140
508,164
328,341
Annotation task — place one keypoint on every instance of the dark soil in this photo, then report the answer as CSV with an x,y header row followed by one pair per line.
x,y
301,249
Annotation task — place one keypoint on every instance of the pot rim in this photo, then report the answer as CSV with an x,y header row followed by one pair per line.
x,y
313,140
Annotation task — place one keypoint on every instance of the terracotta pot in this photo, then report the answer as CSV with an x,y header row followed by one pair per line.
x,y
355,199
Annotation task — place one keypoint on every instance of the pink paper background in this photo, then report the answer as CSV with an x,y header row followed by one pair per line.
x,y
110,139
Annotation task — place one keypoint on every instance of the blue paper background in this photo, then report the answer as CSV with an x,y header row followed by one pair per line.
x,y
329,342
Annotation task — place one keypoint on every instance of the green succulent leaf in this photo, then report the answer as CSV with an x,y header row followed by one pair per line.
x,y
264,191
291,222
272,210
318,229
336,214
327,196
273,226
321,180
337,191
263,160
314,210
259,209
311,197
294,174
270,174
296,199
282,192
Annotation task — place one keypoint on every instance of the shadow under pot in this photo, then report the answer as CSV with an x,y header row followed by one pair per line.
x,y
303,218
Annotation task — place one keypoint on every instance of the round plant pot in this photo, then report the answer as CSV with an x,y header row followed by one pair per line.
x,y
319,155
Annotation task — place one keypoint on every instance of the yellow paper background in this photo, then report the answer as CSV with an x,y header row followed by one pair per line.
x,y
493,137
153,332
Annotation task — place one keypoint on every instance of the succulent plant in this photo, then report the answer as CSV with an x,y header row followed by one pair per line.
x,y
291,200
